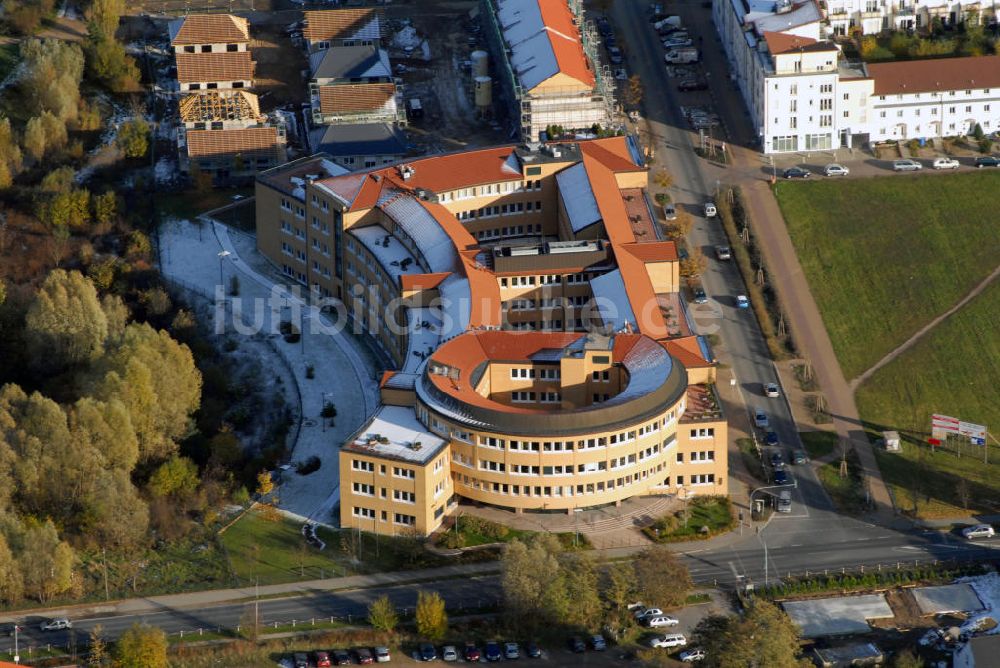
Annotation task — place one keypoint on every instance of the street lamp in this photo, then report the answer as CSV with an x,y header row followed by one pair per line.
x,y
17,657
222,256
576,526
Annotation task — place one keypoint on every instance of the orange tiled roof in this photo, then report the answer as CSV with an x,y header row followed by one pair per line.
x,y
656,251
935,74
204,67
612,152
780,42
327,24
211,29
566,42
249,142
355,98
687,351
422,281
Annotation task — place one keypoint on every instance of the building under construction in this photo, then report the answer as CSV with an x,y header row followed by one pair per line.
x,y
547,65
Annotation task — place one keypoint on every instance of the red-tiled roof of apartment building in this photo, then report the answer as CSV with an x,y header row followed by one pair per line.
x,y
354,23
355,98
250,142
208,67
410,282
781,42
209,29
687,350
935,74
655,251
226,105
566,43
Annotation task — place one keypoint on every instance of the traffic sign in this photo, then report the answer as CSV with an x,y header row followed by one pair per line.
x,y
945,423
934,441
978,441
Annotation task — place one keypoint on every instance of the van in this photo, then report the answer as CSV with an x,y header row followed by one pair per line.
x,y
414,109
785,501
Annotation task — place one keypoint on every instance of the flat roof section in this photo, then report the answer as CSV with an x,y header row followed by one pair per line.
x,y
578,197
959,597
394,257
837,616
402,432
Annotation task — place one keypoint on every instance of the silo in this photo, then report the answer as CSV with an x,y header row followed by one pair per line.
x,y
480,63
484,95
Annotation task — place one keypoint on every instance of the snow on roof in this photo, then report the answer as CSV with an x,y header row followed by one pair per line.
x,y
806,12
424,329
543,41
578,197
430,238
534,60
332,168
456,305
649,365
387,249
612,299
400,426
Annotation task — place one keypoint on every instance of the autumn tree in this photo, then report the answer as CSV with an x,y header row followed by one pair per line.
x,y
908,659
50,569
50,77
97,649
141,647
103,17
43,134
618,592
65,324
177,478
694,264
534,594
133,138
634,91
105,207
663,178
11,583
661,578
431,617
25,16
762,636
382,614
580,582
10,154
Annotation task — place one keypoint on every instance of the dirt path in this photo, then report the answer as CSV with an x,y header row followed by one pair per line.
x,y
910,342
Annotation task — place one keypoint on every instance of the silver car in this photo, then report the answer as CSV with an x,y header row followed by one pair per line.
x,y
906,166
834,169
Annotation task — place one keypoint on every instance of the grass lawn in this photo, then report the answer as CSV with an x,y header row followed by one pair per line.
x,y
473,531
714,512
884,256
751,461
819,443
276,552
848,493
9,57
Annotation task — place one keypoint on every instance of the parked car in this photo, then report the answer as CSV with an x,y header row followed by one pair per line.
x,y
771,439
341,657
760,418
511,651
710,210
978,531
57,624
597,643
449,653
723,252
301,660
647,612
699,295
493,651
906,166
382,655
615,55
785,501
688,85
577,645
945,163
796,173
691,655
772,390
322,659
669,211
988,161
799,457
781,477
364,656
661,621
833,169
677,43
471,653
427,652
742,301
533,650
777,461
669,640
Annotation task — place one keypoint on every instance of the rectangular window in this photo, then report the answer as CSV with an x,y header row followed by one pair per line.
x,y
399,472
360,465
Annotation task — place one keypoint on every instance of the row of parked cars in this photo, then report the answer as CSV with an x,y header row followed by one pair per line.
x,y
905,165
341,657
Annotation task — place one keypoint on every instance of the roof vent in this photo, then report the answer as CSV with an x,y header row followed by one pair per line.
x,y
556,151
377,177
406,171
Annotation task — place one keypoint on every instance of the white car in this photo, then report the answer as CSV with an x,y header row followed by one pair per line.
x,y
710,210
906,166
449,653
511,651
661,621
723,252
772,391
669,211
57,624
978,531
945,163
648,612
760,419
836,170
692,655
382,655
668,641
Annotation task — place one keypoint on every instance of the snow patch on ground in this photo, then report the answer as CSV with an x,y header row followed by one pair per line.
x,y
165,171
70,11
987,588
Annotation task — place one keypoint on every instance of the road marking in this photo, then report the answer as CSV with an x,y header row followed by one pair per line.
x,y
796,545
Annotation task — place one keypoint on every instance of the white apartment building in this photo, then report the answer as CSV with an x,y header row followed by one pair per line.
x,y
873,16
803,97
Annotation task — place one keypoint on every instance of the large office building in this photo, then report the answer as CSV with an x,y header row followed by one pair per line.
x,y
542,355
803,96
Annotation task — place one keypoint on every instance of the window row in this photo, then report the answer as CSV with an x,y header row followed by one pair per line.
x,y
581,489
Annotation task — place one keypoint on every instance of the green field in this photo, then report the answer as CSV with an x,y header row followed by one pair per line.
x,y
886,255
713,512
847,493
819,443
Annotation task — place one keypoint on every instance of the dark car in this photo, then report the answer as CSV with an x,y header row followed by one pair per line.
x,y
691,85
771,439
533,650
493,651
796,173
699,296
364,656
577,645
781,477
471,652
301,660
427,652
776,461
341,657
799,457
988,161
